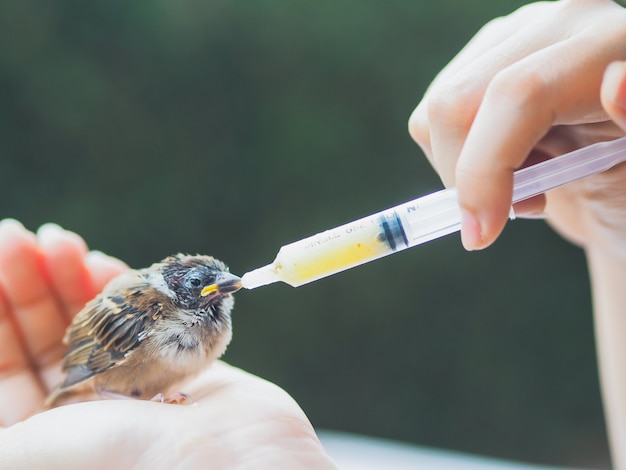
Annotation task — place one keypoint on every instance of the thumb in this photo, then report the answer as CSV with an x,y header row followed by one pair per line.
x,y
613,92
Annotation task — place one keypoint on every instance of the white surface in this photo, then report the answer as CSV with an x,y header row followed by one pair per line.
x,y
353,452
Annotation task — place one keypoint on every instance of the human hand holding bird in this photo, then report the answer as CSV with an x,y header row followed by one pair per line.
x,y
237,420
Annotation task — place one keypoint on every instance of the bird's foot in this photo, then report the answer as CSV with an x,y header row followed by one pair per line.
x,y
178,398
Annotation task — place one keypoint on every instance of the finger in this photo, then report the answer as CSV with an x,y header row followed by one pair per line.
x,y
102,268
421,120
64,253
556,85
508,33
441,121
613,92
20,388
33,306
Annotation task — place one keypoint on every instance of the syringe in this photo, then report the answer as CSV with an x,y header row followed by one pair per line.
x,y
417,221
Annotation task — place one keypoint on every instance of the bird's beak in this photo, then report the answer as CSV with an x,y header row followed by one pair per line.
x,y
227,283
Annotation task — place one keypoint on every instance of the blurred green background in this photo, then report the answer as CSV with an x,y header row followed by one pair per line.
x,y
231,128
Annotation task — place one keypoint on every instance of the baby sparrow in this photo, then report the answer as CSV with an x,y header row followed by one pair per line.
x,y
149,329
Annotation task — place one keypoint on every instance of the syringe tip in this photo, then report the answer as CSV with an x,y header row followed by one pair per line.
x,y
260,277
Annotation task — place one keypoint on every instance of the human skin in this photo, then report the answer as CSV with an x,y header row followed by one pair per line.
x,y
236,420
543,81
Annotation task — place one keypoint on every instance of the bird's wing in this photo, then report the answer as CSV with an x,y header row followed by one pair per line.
x,y
110,328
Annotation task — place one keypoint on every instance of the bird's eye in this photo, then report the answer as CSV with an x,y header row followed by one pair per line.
x,y
192,281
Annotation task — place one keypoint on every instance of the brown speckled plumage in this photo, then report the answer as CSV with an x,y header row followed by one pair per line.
x,y
149,329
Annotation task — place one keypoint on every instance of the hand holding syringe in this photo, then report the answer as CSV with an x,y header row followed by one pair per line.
x,y
417,221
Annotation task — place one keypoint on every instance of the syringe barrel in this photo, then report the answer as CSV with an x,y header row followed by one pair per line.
x,y
417,221
332,251
429,217
369,238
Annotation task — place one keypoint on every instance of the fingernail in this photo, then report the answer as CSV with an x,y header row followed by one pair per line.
x,y
11,228
615,83
10,224
48,234
99,259
96,257
471,232
14,237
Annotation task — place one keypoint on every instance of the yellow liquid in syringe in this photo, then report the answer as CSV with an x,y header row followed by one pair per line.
x,y
323,254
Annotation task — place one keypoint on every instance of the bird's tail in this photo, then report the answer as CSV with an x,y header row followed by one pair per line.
x,y
63,396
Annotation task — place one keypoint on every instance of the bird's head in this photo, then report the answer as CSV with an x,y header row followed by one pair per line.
x,y
199,282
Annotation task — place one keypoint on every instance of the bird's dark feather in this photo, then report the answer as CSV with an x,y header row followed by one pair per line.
x,y
102,336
